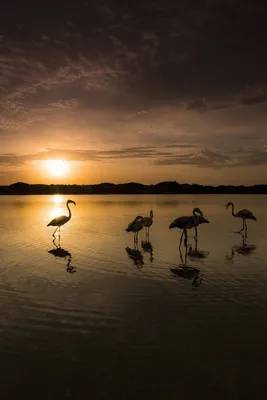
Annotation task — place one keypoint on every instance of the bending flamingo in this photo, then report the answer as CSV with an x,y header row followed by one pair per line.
x,y
243,214
135,226
62,220
185,223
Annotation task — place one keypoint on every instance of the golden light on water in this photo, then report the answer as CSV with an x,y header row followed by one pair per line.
x,y
57,167
59,206
56,212
57,198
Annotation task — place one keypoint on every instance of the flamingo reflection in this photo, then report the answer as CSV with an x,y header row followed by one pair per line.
x,y
59,252
148,248
196,253
244,248
187,272
136,256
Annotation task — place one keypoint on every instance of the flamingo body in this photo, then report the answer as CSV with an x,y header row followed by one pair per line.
x,y
135,226
245,214
59,221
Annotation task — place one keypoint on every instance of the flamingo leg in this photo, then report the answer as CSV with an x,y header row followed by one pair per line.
x,y
185,239
196,238
242,227
181,239
246,228
186,252
55,231
196,244
181,257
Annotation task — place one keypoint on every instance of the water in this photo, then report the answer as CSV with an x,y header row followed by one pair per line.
x,y
99,319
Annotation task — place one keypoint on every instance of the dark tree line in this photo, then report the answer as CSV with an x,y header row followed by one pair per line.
x,y
171,187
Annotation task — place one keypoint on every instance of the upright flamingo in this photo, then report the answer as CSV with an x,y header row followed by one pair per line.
x,y
189,222
243,214
62,220
148,221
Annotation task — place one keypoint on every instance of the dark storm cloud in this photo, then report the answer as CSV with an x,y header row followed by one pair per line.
x,y
157,49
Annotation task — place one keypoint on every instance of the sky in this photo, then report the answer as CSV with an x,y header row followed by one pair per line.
x,y
142,91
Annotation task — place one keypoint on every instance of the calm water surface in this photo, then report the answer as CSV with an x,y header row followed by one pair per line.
x,y
99,319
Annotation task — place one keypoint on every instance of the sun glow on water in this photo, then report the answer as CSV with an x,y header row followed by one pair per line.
x,y
57,211
58,206
57,199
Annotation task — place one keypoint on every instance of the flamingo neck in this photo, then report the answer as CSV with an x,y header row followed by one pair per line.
x,y
195,216
233,210
69,211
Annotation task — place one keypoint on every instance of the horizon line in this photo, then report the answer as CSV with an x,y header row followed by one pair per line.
x,y
128,183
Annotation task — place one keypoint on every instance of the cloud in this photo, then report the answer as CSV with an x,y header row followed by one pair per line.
x,y
206,158
203,158
197,104
253,95
37,82
179,146
84,155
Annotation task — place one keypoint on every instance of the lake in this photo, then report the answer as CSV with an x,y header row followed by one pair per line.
x,y
100,319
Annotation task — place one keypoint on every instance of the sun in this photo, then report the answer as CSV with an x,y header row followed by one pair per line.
x,y
57,167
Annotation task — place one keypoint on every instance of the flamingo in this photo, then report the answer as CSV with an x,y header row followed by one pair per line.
x,y
135,226
62,220
148,221
243,214
185,223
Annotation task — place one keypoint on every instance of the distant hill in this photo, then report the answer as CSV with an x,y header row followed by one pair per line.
x,y
172,187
